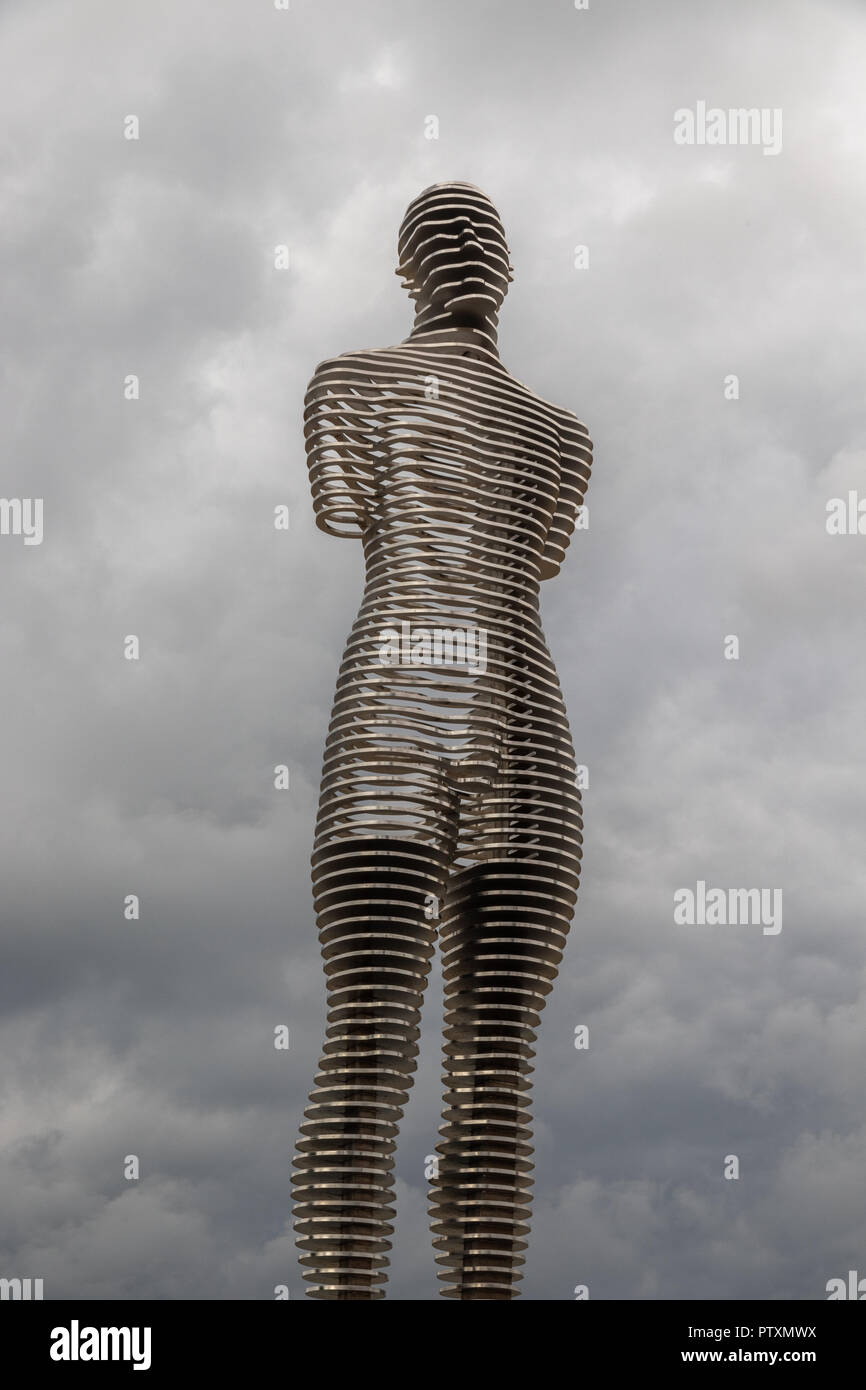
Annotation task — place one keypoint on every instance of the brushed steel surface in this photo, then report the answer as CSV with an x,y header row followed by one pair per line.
x,y
448,807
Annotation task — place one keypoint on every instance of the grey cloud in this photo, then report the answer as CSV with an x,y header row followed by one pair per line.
x,y
707,517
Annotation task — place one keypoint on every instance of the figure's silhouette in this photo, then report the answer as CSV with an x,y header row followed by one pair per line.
x,y
448,793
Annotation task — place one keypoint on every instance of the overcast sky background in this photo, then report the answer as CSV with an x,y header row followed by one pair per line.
x,y
707,518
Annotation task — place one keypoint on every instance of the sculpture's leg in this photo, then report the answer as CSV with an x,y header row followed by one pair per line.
x,y
377,927
503,929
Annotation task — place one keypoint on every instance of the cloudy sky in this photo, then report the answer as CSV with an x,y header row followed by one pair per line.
x,y
154,777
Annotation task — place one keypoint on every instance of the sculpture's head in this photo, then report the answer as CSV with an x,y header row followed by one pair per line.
x,y
453,256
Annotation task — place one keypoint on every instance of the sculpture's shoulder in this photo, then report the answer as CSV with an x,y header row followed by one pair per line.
x,y
572,431
569,423
356,376
575,445
336,374
563,420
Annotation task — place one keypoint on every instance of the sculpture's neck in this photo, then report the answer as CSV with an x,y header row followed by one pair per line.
x,y
446,328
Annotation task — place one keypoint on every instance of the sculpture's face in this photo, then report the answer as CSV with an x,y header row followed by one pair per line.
x,y
453,253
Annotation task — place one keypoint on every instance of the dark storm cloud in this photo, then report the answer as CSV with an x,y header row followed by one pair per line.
x,y
706,518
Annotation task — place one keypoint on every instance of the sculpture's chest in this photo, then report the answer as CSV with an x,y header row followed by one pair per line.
x,y
479,442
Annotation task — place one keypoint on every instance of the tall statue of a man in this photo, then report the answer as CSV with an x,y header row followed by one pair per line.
x,y
448,800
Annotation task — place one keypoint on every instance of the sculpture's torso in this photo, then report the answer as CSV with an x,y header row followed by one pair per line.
x,y
450,469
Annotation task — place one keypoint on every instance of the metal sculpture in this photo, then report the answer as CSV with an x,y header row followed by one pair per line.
x,y
448,793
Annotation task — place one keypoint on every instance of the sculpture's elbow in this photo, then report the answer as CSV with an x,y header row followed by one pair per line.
x,y
347,524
